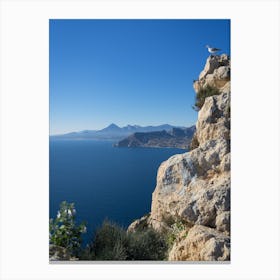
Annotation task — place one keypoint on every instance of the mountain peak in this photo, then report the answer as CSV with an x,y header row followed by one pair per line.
x,y
110,128
113,125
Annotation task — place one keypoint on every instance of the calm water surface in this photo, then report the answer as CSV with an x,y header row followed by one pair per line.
x,y
103,181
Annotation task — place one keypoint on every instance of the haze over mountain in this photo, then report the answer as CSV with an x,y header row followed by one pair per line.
x,y
112,132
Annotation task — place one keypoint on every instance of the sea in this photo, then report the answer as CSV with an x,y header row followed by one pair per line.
x,y
103,181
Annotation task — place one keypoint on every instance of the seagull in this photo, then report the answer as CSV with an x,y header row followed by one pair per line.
x,y
212,50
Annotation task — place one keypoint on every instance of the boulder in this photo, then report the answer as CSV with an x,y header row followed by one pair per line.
x,y
191,187
223,222
58,253
219,77
139,224
216,73
201,243
213,118
214,62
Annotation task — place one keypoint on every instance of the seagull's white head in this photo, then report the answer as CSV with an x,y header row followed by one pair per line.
x,y
207,46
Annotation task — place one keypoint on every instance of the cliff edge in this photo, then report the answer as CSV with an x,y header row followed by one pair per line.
x,y
193,189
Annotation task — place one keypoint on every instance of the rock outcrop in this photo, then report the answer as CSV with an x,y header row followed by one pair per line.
x,y
139,224
194,187
215,73
202,244
58,253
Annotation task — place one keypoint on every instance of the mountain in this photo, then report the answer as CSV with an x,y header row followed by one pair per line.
x,y
110,128
174,138
111,132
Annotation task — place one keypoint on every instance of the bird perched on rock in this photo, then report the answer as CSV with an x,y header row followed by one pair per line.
x,y
212,50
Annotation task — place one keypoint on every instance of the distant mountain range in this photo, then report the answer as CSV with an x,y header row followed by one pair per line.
x,y
112,132
174,138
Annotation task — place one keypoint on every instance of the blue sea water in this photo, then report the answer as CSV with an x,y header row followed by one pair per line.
x,y
103,181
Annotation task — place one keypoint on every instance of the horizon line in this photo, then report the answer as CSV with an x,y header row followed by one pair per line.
x,y
73,131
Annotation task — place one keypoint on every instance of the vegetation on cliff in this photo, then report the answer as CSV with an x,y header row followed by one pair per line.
x,y
202,94
110,241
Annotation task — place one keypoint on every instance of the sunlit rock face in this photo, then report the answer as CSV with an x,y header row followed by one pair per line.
x,y
202,244
195,187
216,72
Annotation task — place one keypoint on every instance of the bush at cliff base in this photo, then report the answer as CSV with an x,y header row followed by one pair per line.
x,y
111,242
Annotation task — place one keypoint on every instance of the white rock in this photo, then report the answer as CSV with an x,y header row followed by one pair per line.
x,y
213,121
191,186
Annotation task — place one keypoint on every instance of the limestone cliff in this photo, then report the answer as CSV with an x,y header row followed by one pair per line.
x,y
194,187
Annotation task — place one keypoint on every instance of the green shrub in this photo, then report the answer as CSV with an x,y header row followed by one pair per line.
x,y
202,94
146,245
63,230
174,232
111,242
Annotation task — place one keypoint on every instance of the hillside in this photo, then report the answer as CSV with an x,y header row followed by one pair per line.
x,y
175,138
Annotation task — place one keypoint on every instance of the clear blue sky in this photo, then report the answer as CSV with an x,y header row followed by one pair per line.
x,y
127,71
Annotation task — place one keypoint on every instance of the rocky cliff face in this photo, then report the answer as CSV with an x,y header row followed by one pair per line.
x,y
194,187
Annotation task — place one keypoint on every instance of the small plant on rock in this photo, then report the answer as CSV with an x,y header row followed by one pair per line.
x,y
174,232
202,94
